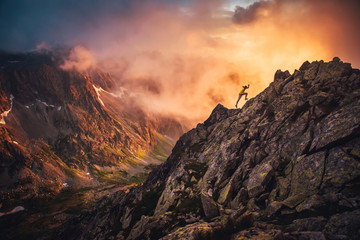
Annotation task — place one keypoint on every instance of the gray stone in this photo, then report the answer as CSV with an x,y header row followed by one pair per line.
x,y
337,126
305,235
306,175
346,224
209,206
273,208
259,178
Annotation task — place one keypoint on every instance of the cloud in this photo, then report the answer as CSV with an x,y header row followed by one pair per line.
x,y
79,59
250,13
333,24
182,58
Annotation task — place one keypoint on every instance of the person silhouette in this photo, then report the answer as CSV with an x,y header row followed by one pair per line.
x,y
242,92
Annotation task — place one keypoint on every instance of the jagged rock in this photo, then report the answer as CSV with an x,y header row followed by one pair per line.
x,y
209,206
316,224
273,208
287,160
306,176
331,131
294,200
259,178
251,204
283,187
344,225
342,167
139,228
126,218
239,199
312,202
191,232
319,98
62,124
305,236
257,234
218,114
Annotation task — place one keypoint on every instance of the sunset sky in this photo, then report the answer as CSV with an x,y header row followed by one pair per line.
x,y
185,57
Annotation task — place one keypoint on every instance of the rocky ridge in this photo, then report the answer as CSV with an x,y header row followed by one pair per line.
x,y
284,166
63,128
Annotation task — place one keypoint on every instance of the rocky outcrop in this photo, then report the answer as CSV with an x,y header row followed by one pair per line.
x,y
284,166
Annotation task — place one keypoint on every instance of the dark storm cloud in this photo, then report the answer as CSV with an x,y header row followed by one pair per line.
x,y
26,23
250,13
305,8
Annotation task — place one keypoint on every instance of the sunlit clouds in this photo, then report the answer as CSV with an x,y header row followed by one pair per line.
x,y
80,59
182,58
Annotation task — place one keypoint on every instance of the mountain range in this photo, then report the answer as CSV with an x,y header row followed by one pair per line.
x,y
284,166
68,129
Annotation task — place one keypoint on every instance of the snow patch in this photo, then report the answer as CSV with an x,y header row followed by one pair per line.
x,y
16,142
122,92
98,90
65,184
46,104
16,209
4,114
27,106
87,173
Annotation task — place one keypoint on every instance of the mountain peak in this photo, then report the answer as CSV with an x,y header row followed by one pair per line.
x,y
284,166
63,128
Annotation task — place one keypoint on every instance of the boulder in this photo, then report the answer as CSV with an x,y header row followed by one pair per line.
x,y
345,225
337,126
316,224
209,206
306,175
259,178
305,236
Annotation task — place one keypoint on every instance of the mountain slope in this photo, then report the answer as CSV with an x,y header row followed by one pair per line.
x,y
285,166
64,128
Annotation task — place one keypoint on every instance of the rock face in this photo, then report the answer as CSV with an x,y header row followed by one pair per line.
x,y
285,166
61,128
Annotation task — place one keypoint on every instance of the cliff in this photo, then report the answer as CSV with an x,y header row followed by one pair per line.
x,y
284,166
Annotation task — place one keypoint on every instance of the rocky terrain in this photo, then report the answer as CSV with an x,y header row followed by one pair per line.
x,y
284,166
63,129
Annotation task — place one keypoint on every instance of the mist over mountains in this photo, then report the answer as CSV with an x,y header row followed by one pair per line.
x,y
64,128
94,96
284,166
170,51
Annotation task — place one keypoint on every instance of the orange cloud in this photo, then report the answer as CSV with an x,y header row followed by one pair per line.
x,y
183,63
80,59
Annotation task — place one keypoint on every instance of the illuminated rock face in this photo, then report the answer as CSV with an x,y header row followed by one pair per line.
x,y
57,125
285,166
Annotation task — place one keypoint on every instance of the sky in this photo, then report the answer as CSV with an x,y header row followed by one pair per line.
x,y
182,58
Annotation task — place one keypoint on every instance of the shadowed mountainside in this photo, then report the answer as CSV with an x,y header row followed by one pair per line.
x,y
285,166
62,129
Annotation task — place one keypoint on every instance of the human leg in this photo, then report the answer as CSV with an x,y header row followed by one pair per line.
x,y
238,100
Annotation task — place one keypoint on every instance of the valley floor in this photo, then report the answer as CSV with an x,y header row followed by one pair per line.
x,y
40,217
